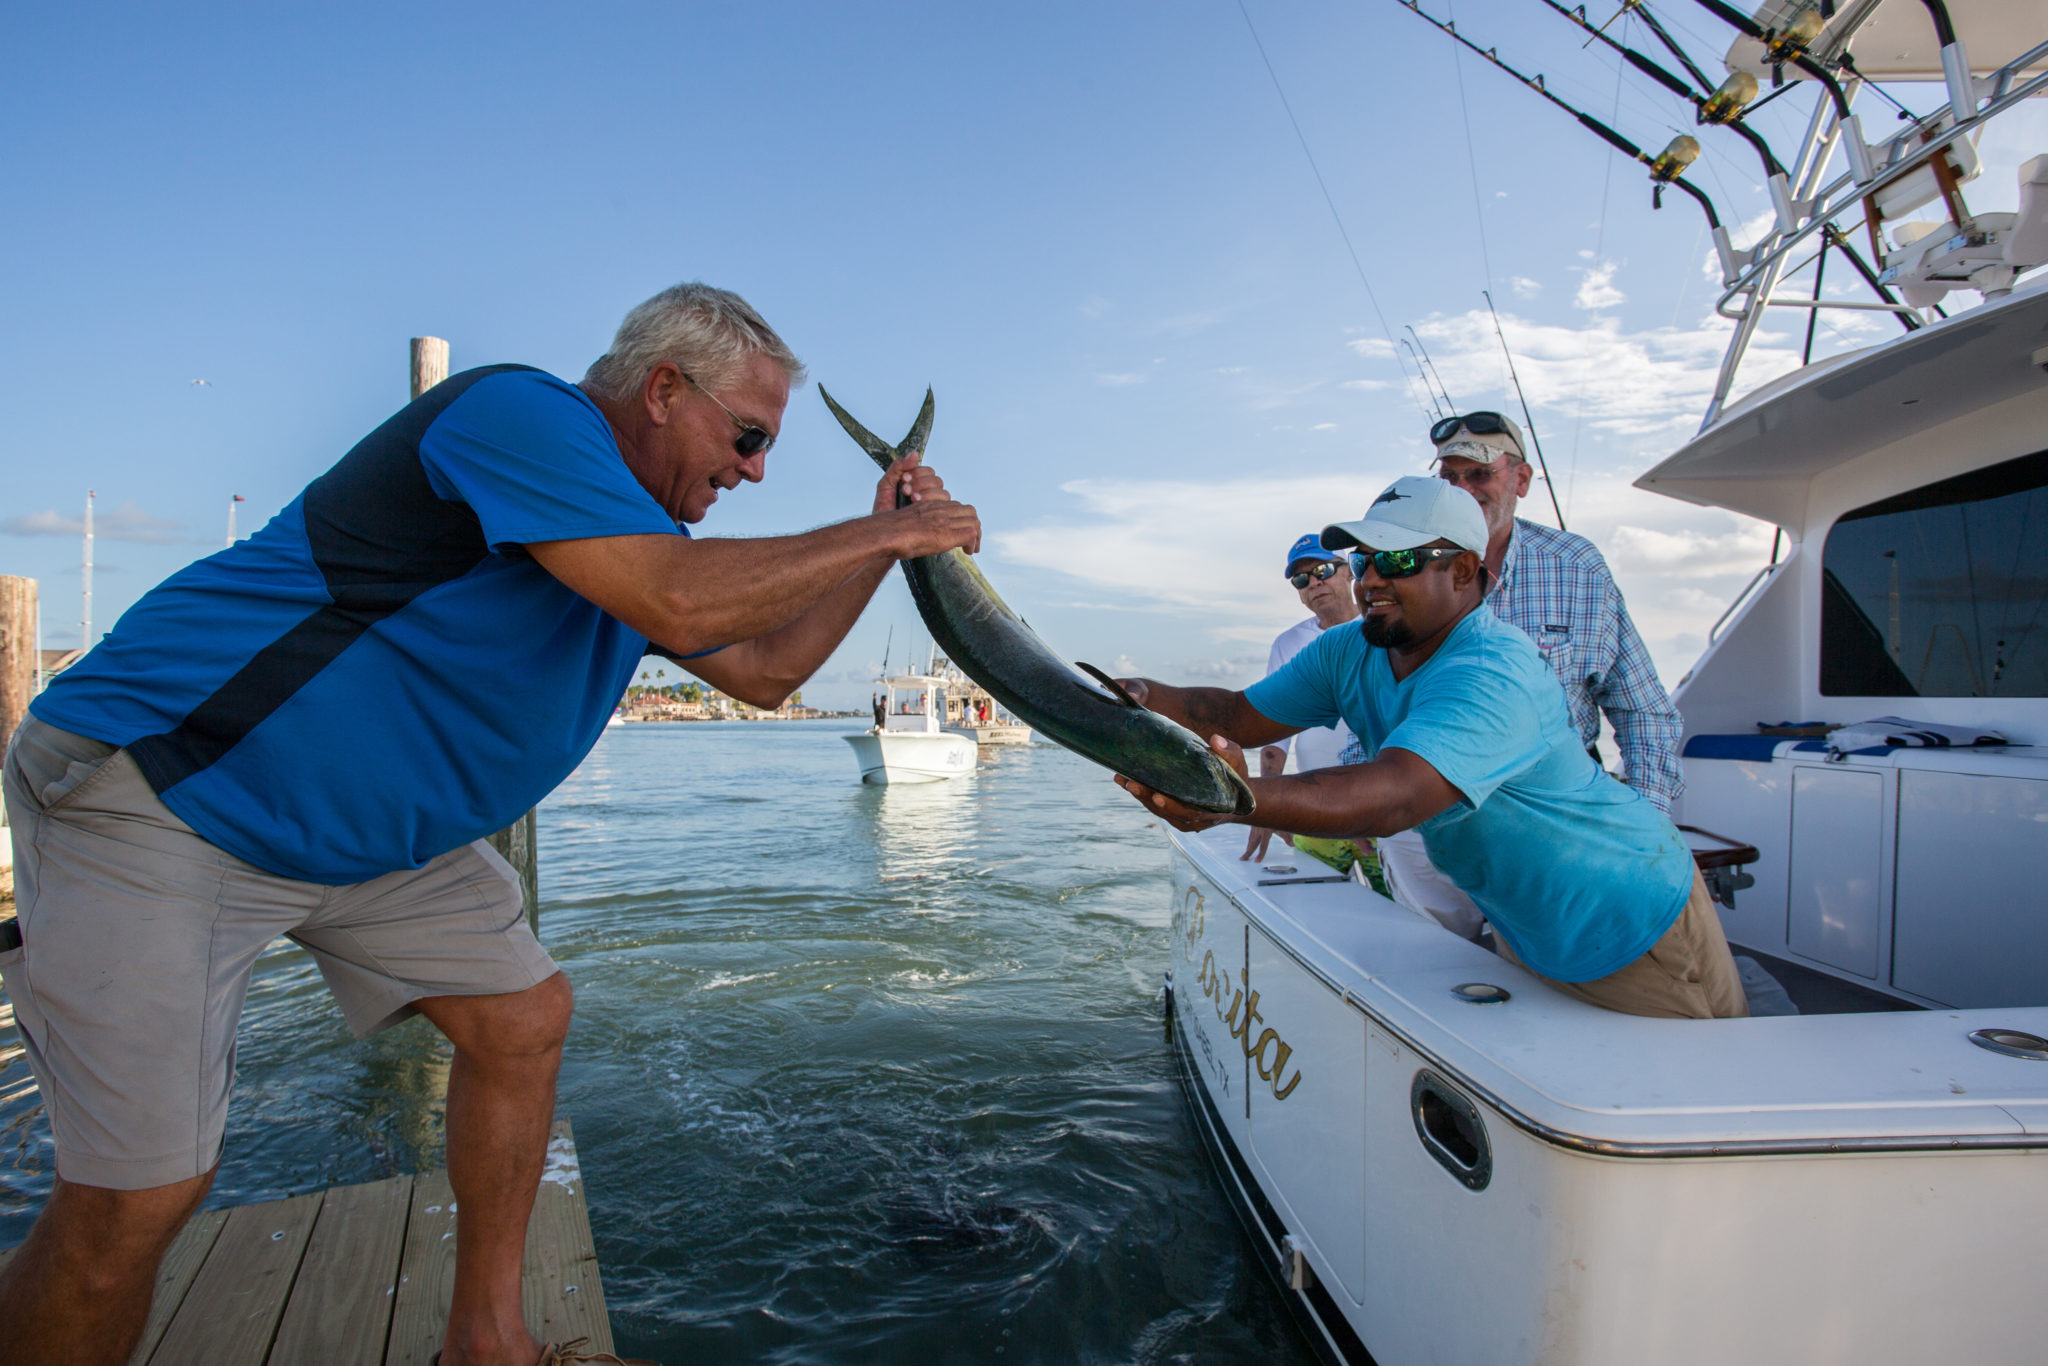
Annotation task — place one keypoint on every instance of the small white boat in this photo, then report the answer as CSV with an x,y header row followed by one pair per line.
x,y
972,712
907,744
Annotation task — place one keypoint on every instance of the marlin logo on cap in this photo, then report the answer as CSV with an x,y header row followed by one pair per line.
x,y
1390,496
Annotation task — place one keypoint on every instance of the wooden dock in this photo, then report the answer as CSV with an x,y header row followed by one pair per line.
x,y
360,1275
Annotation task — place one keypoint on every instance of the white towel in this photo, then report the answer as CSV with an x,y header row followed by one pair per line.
x,y
1898,730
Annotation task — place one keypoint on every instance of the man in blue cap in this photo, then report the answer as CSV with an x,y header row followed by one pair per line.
x,y
1467,738
1323,582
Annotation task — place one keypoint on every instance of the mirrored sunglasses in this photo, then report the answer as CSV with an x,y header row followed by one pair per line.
x,y
1315,574
1398,564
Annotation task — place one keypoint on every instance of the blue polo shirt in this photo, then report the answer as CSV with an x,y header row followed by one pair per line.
x,y
382,673
1578,872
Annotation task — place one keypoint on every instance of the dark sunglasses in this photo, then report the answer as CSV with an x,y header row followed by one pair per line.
x,y
1479,424
1398,564
752,440
1317,574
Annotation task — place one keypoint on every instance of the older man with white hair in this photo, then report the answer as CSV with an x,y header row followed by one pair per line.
x,y
287,738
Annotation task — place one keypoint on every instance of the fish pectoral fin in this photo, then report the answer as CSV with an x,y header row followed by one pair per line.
x,y
884,454
1116,689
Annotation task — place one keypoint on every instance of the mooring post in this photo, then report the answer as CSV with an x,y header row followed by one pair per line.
x,y
18,660
517,841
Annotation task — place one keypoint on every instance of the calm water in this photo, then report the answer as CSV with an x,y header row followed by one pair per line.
x,y
857,1074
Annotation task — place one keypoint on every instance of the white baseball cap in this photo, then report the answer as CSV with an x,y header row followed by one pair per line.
x,y
1413,512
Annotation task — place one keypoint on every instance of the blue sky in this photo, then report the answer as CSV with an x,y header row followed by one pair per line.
x,y
1089,227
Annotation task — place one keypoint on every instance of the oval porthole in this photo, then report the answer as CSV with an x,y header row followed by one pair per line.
x,y
2013,1043
1451,1130
1481,993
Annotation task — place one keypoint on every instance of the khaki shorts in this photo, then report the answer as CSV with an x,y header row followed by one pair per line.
x,y
1688,974
138,938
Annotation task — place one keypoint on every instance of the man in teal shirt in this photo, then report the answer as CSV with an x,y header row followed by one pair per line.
x,y
1586,883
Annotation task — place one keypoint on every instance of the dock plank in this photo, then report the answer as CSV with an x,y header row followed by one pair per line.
x,y
174,1278
230,1314
563,1292
339,1311
426,1274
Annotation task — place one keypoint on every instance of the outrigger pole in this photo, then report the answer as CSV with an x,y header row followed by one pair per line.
x,y
1666,168
1450,405
1528,419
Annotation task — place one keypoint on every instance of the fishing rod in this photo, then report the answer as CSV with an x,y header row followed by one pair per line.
x,y
1666,168
1441,386
1786,46
1435,409
1720,106
1528,419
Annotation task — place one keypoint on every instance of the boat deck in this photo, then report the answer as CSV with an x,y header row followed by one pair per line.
x,y
360,1275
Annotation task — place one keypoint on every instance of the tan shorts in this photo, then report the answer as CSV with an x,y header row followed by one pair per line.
x,y
138,938
1688,974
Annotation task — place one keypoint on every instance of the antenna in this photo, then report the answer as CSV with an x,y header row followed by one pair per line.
x,y
85,571
1432,367
1528,420
888,642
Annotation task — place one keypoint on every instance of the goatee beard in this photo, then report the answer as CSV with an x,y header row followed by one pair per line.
x,y
1387,635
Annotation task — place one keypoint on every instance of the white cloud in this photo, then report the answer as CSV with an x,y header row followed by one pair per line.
x,y
1372,348
1119,381
1324,427
127,522
1524,287
1366,385
1597,289
1651,382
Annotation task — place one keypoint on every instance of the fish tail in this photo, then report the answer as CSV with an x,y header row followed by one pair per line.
x,y
920,430
883,453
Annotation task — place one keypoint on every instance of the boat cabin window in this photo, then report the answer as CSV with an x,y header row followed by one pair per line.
x,y
1942,591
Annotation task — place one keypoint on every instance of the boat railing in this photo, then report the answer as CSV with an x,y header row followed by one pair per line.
x,y
1845,192
1748,591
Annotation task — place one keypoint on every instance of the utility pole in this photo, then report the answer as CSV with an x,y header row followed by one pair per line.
x,y
518,842
85,600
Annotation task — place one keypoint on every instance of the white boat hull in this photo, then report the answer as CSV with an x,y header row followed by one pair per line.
x,y
994,733
1542,1181
908,756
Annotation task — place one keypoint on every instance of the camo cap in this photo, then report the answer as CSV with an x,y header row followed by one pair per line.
x,y
1414,511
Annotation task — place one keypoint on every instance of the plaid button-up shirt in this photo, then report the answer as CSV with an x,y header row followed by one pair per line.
x,y
1557,590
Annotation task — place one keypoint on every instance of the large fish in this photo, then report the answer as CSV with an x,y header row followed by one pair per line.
x,y
994,647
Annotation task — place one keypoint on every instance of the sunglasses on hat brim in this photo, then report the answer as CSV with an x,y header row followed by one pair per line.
x,y
1479,424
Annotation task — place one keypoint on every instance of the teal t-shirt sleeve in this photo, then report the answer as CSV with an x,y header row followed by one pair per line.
x,y
1302,692
1475,725
536,461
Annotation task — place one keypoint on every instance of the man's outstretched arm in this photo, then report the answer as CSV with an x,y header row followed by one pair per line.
x,y
781,604
1209,711
1396,791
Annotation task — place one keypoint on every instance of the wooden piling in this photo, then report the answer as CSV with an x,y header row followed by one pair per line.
x,y
429,363
518,843
18,658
